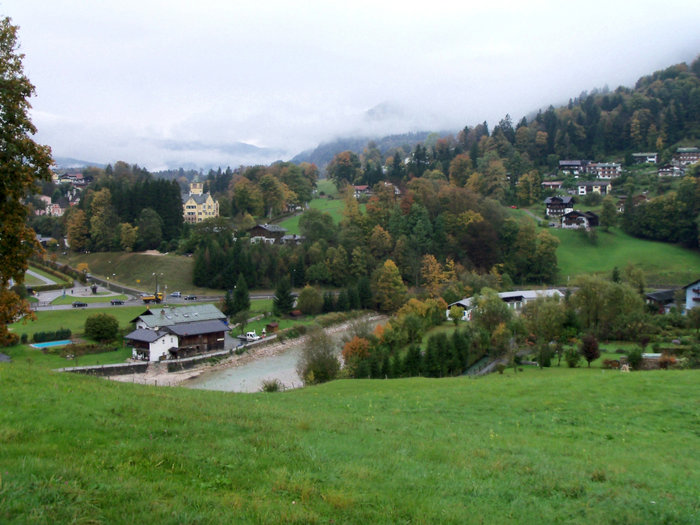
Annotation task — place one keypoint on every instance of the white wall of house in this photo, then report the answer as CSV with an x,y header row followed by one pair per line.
x,y
160,347
692,296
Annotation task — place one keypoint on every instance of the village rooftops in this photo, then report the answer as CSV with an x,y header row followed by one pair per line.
x,y
158,317
198,198
272,228
514,296
196,328
144,335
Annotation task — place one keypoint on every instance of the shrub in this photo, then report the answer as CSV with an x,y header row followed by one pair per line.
x,y
102,327
589,348
310,301
318,362
572,357
500,367
23,339
611,363
667,361
634,358
61,333
271,385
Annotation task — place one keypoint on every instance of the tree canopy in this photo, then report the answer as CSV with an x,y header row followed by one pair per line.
x,y
23,162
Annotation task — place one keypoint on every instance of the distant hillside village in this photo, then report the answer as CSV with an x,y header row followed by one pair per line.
x,y
592,177
197,205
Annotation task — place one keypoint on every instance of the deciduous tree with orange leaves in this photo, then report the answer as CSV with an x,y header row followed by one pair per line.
x,y
22,163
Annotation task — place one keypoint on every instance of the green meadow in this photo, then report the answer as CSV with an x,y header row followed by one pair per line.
x,y
543,446
135,270
662,263
334,207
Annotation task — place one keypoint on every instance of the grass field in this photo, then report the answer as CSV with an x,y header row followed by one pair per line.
x,y
662,263
334,207
136,270
31,281
553,446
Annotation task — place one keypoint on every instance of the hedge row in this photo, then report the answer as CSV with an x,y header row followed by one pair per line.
x,y
61,333
60,271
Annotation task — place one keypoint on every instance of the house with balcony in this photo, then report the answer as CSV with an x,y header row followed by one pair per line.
x,y
557,206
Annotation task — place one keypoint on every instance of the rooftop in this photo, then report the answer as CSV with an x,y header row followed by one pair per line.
x,y
168,316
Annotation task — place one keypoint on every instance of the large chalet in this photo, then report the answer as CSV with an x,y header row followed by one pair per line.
x,y
171,333
557,206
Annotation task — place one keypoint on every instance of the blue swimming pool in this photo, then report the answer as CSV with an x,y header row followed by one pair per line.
x,y
52,343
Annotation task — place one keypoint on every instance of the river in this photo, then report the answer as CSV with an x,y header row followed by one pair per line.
x,y
249,377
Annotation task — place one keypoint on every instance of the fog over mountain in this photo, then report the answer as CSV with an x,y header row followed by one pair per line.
x,y
168,83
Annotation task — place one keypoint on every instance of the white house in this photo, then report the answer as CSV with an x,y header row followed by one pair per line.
x,y
645,158
515,300
169,333
692,295
602,187
151,345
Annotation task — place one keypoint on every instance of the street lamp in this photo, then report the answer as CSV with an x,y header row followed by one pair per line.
x,y
155,274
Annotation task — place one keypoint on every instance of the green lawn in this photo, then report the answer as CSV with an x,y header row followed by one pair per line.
x,y
334,207
73,319
663,263
544,446
136,270
326,186
31,281
35,357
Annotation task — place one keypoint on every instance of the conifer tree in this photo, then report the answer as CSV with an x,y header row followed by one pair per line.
x,y
284,300
241,298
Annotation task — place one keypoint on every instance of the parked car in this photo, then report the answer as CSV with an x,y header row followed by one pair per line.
x,y
176,294
79,304
190,298
116,302
251,336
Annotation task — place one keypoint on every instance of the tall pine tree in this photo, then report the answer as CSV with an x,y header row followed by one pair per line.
x,y
284,300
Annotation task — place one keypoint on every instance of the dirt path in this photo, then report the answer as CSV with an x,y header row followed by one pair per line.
x,y
159,376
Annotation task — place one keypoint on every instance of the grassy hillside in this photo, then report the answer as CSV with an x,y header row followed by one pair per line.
x,y
574,446
136,269
334,207
663,263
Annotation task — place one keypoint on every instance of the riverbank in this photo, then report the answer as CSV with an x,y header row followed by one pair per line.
x,y
159,376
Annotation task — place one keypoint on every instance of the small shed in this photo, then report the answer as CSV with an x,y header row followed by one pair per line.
x,y
271,328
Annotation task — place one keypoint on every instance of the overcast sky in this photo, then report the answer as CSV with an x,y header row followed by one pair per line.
x,y
169,82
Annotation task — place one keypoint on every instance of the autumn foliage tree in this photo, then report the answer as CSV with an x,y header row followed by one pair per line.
x,y
22,163
389,289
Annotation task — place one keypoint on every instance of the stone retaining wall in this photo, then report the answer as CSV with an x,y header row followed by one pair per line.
x,y
117,369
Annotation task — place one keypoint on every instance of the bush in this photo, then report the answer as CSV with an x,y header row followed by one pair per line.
x,y
667,361
572,357
271,385
589,348
500,368
102,327
318,362
634,358
23,339
611,363
61,333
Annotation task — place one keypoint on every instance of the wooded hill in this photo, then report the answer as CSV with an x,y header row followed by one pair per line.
x,y
661,110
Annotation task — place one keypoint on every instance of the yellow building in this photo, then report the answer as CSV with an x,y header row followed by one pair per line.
x,y
197,205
